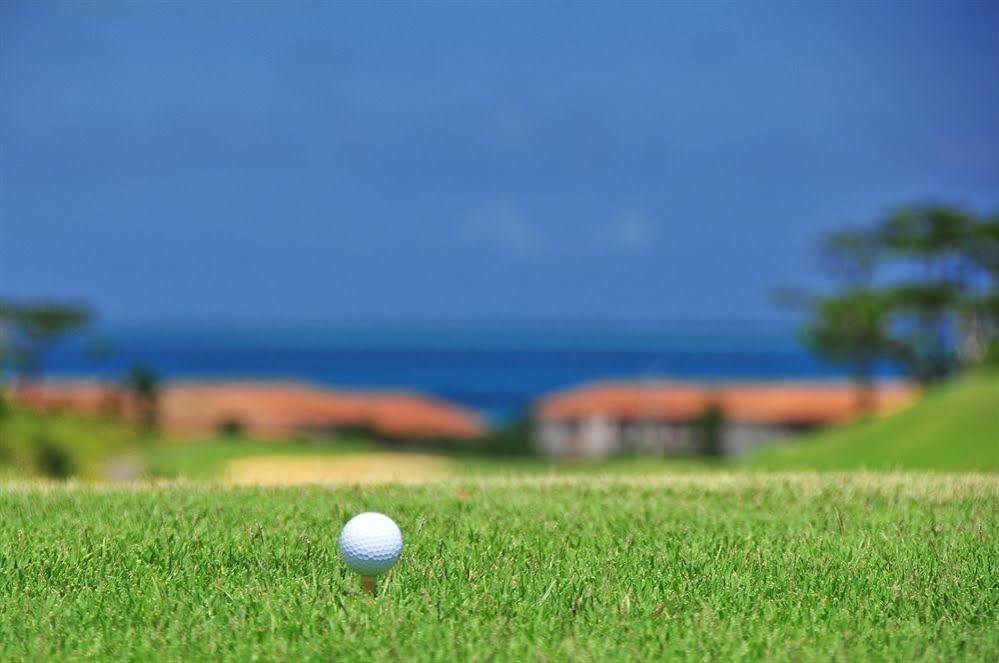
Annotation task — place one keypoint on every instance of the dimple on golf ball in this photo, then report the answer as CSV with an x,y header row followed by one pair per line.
x,y
370,543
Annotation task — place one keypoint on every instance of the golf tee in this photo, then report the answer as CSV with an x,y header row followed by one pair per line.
x,y
368,584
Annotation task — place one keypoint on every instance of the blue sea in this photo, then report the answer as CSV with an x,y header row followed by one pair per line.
x,y
496,371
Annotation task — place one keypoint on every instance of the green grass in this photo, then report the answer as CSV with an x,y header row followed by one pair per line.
x,y
719,566
954,427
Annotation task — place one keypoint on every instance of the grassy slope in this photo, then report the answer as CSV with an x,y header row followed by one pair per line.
x,y
792,567
955,426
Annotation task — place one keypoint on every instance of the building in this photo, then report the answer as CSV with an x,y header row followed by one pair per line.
x,y
661,417
267,408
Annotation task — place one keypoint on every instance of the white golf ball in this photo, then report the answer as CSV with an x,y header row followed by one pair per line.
x,y
370,543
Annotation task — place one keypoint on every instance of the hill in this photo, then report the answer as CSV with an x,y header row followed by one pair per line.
x,y
954,427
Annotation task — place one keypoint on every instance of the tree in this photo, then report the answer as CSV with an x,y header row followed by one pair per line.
x,y
935,235
710,427
513,438
143,385
31,330
933,245
852,327
979,308
921,286
923,325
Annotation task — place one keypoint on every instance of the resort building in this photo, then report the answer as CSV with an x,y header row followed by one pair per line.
x,y
267,409
659,417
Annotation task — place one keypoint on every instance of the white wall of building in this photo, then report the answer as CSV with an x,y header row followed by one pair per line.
x,y
741,438
554,438
599,436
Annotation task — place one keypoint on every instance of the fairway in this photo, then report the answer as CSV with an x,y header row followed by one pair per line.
x,y
698,565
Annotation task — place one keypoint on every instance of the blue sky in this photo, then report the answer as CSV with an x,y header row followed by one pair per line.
x,y
326,162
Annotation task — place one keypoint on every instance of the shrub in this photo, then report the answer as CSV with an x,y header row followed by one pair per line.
x,y
710,428
992,354
52,460
231,428
513,438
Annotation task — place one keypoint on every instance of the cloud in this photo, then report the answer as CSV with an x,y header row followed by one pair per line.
x,y
505,227
629,232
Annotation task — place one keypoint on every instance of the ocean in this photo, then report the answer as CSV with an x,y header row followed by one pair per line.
x,y
497,372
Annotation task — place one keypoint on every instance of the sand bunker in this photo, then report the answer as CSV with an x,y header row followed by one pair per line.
x,y
351,468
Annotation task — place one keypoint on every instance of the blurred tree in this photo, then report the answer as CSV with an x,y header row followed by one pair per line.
x,y
851,324
936,235
934,244
921,287
852,327
143,385
923,324
710,427
30,331
51,459
979,308
231,427
512,438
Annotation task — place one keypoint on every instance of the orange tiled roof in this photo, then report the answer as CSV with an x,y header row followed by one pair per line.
x,y
84,396
271,408
807,402
623,400
759,402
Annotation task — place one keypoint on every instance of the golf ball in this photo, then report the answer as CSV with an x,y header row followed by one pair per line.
x,y
370,543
